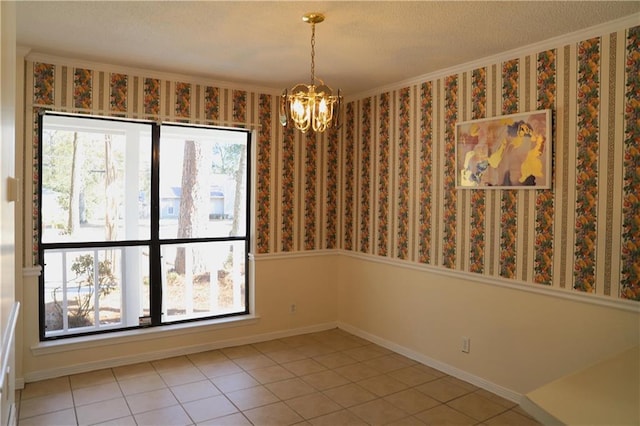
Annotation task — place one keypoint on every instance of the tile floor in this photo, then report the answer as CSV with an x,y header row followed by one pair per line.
x,y
326,378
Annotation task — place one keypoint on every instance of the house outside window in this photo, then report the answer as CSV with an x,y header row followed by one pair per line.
x,y
141,224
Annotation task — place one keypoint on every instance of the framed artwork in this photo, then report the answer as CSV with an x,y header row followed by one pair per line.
x,y
511,151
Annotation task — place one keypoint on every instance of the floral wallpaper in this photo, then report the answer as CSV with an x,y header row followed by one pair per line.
x,y
239,107
630,280
588,88
288,189
82,89
152,97
478,209
568,237
43,97
450,203
383,184
119,93
212,105
383,176
425,172
365,177
331,234
183,100
263,191
509,208
349,177
43,83
543,264
403,173
310,191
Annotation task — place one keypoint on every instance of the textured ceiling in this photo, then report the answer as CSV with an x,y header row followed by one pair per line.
x,y
360,46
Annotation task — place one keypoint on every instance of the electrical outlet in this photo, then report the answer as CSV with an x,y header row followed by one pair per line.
x,y
466,344
292,308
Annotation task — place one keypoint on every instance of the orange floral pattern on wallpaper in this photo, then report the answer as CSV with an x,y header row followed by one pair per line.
x,y
332,189
630,279
383,176
263,190
239,107
82,90
212,103
543,260
403,174
35,195
449,183
43,94
588,124
311,158
426,170
43,83
288,182
509,202
478,209
152,96
119,93
365,176
349,175
183,100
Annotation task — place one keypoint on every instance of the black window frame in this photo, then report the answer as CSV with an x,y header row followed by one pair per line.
x,y
154,242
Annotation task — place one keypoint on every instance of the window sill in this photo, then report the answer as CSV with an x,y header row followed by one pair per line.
x,y
141,334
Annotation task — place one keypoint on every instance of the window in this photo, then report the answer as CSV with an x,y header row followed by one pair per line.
x,y
140,224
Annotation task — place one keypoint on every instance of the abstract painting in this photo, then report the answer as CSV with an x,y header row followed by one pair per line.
x,y
511,151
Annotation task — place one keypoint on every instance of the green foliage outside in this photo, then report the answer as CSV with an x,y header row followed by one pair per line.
x,y
80,308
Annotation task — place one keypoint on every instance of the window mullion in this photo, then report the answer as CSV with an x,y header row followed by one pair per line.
x,y
155,261
96,288
65,304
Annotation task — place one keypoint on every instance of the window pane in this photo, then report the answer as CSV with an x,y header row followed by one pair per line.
x,y
96,190
203,279
85,290
96,178
202,182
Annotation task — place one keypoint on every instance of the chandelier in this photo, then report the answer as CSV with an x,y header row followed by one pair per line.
x,y
310,106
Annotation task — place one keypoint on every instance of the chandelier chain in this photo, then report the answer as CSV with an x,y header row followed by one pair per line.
x,y
313,53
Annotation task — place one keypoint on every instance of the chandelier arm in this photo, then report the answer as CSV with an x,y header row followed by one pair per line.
x,y
338,109
284,108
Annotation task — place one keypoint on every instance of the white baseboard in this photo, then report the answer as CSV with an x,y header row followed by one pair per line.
x,y
178,351
538,413
445,368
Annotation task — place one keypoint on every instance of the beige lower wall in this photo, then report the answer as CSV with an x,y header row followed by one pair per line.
x,y
519,340
307,281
